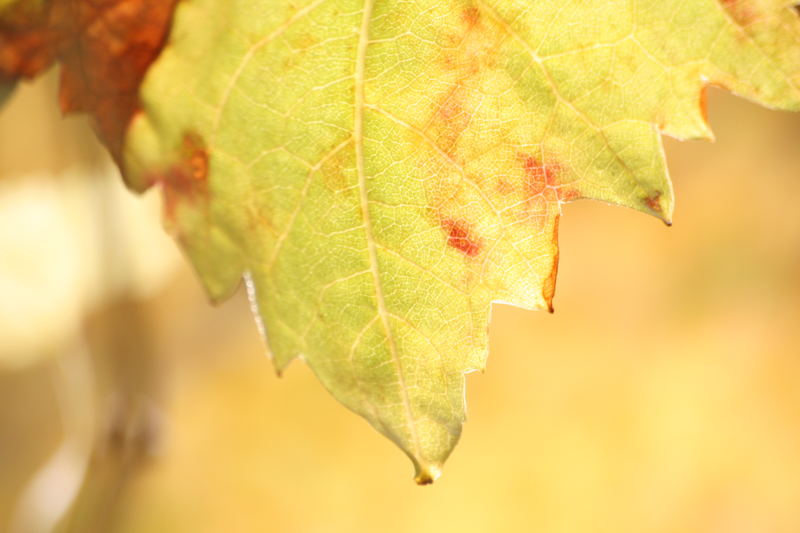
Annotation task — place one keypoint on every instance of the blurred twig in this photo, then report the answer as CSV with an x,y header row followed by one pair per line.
x,y
53,488
128,387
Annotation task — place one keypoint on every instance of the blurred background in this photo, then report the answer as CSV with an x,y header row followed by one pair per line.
x,y
662,396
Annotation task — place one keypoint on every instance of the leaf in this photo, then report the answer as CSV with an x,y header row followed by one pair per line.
x,y
105,48
26,43
381,171
26,48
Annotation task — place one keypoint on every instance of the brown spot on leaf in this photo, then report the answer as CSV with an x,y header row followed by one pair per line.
x,y
186,180
460,236
334,170
654,202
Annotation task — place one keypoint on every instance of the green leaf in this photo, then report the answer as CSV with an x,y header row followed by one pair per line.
x,y
381,171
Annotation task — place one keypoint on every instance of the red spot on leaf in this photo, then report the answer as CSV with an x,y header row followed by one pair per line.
x,y
468,49
538,176
704,103
741,11
567,193
450,108
471,16
450,120
545,179
460,237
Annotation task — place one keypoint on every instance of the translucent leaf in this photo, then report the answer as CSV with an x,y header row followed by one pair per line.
x,y
381,171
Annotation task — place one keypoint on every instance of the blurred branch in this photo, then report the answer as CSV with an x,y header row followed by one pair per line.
x,y
53,488
122,342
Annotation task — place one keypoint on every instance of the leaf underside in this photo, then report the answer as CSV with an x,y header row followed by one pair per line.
x,y
380,171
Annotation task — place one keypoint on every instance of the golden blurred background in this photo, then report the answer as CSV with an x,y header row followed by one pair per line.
x,y
662,396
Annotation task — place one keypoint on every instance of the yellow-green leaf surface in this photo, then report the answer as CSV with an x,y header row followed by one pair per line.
x,y
380,171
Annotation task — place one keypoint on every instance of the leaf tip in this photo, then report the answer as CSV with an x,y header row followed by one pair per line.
x,y
427,474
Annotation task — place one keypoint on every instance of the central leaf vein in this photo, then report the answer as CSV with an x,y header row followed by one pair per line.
x,y
358,135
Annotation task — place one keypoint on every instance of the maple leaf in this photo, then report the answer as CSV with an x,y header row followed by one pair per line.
x,y
381,171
